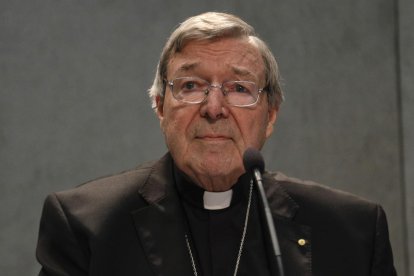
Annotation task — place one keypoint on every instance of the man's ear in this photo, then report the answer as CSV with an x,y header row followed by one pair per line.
x,y
159,107
272,117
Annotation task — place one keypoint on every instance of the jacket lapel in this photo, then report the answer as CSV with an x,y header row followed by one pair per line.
x,y
160,225
161,230
294,239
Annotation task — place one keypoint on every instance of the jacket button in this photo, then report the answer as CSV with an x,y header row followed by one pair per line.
x,y
301,242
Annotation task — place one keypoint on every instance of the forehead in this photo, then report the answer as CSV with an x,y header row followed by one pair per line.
x,y
237,56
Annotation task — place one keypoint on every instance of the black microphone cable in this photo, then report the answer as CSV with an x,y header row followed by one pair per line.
x,y
254,163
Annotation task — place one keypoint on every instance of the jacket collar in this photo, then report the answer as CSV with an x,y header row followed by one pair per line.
x,y
281,204
296,255
161,224
160,184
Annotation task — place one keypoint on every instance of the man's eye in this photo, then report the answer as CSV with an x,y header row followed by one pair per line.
x,y
189,85
240,89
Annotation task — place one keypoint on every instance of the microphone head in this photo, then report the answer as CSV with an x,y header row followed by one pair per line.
x,y
253,159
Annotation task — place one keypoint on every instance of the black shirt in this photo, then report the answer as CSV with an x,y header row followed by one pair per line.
x,y
215,235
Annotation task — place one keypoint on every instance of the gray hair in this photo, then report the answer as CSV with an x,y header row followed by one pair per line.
x,y
212,26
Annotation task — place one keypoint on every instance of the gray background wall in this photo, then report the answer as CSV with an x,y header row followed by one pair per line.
x,y
73,80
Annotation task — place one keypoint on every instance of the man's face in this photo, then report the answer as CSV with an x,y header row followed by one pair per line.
x,y
207,140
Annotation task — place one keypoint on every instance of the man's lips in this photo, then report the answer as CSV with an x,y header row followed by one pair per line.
x,y
213,137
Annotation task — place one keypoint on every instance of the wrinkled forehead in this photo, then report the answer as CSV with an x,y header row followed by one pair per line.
x,y
179,46
240,55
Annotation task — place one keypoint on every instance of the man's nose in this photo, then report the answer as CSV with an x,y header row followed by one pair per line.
x,y
215,105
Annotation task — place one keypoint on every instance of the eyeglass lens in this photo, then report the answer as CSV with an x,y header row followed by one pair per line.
x,y
195,90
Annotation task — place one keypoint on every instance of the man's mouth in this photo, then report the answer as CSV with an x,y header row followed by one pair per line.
x,y
213,137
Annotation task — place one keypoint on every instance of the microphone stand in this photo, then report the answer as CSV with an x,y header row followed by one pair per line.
x,y
269,222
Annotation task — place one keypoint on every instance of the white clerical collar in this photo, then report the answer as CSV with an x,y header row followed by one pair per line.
x,y
217,200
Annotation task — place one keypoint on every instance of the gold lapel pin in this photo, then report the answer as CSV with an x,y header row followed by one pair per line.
x,y
301,242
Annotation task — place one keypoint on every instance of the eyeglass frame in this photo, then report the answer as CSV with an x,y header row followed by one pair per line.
x,y
210,86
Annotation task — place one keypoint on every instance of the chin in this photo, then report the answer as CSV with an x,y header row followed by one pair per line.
x,y
218,160
220,168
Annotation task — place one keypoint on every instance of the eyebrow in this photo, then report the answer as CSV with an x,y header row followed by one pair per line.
x,y
240,71
243,72
188,66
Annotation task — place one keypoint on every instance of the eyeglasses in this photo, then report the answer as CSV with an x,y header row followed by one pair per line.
x,y
194,90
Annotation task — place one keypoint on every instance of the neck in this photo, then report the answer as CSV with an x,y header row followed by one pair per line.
x,y
214,183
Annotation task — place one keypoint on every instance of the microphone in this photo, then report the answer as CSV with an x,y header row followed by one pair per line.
x,y
253,162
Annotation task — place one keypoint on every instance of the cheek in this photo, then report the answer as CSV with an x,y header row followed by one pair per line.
x,y
254,130
172,134
176,125
170,127
170,115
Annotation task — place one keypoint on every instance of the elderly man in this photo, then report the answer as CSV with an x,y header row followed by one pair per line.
x,y
196,211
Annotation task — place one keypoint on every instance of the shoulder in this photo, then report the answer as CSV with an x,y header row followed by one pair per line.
x,y
316,200
306,191
338,220
118,192
112,185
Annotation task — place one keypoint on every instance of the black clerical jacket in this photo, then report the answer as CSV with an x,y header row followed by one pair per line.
x,y
132,224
